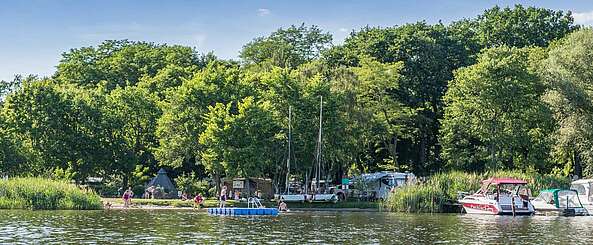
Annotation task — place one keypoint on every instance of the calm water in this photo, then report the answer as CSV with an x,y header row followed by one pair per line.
x,y
168,226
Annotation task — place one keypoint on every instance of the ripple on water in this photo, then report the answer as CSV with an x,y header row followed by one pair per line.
x,y
167,226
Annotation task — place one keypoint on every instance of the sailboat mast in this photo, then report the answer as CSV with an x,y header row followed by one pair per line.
x,y
288,158
318,175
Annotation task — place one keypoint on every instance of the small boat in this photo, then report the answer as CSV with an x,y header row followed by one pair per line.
x,y
585,192
499,196
560,202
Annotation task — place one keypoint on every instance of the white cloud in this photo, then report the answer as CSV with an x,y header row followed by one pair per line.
x,y
343,29
263,12
584,18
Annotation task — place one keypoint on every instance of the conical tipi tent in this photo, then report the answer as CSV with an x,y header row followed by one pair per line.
x,y
162,180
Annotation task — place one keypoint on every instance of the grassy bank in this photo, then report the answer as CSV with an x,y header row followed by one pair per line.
x,y
441,190
39,193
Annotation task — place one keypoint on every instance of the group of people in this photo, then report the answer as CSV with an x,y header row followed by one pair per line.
x,y
198,198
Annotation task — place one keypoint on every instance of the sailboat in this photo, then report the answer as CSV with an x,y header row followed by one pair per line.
x,y
317,196
287,197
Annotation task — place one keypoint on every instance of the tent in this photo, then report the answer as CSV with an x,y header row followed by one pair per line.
x,y
162,180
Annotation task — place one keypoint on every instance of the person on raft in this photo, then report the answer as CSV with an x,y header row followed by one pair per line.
x,y
282,207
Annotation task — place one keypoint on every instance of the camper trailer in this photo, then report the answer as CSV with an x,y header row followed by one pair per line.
x,y
377,186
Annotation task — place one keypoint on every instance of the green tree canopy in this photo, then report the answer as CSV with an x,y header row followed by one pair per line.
x,y
494,117
568,73
122,63
288,47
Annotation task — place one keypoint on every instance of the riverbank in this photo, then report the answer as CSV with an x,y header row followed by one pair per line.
x,y
45,194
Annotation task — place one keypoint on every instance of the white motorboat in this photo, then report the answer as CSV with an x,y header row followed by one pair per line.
x,y
499,196
559,202
584,190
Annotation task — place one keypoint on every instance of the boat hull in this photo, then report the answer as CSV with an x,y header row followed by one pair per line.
x,y
493,208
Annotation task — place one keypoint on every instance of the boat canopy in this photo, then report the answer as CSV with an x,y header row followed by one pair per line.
x,y
499,181
379,175
582,181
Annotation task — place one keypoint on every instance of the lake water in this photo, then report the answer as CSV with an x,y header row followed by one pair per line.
x,y
170,226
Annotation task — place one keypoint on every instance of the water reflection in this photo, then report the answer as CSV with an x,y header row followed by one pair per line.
x,y
162,226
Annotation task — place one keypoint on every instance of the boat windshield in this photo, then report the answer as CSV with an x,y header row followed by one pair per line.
x,y
547,197
505,189
568,199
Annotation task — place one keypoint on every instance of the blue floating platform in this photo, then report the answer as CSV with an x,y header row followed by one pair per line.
x,y
243,211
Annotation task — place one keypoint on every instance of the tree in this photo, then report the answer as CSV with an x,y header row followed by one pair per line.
x,y
494,117
240,143
289,47
132,113
383,118
183,109
429,55
568,73
122,63
61,124
517,27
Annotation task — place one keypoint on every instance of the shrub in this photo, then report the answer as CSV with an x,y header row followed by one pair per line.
x,y
40,193
191,184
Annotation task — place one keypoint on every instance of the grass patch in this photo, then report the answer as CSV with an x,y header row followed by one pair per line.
x,y
441,189
45,194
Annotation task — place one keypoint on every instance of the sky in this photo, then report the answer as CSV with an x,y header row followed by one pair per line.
x,y
34,33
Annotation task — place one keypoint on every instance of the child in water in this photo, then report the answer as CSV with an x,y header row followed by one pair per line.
x,y
198,200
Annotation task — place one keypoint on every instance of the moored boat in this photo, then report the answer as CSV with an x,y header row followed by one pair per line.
x,y
499,196
559,202
585,192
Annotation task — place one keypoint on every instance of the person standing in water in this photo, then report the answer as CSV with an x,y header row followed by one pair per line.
x,y
127,196
222,196
198,200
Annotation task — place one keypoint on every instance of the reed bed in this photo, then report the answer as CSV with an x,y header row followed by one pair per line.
x,y
45,194
441,190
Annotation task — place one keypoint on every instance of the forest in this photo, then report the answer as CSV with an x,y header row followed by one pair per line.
x,y
509,89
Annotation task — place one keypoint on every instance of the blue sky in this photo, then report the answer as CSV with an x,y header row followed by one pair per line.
x,y
33,34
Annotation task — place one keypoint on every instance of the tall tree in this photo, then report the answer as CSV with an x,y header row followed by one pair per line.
x,y
240,140
568,73
516,27
122,63
429,55
288,47
132,113
494,118
183,109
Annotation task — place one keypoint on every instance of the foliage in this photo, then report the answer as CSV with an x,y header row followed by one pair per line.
x,y
189,183
121,63
521,27
289,47
240,140
494,118
418,97
39,193
568,73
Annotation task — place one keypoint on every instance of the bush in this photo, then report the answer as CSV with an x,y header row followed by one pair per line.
x,y
191,185
442,189
39,193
